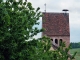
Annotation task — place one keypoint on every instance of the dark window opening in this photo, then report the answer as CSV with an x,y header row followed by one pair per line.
x,y
51,39
56,41
60,42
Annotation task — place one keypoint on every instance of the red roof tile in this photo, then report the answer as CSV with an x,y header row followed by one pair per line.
x,y
55,23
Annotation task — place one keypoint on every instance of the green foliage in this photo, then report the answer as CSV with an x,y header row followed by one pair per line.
x,y
64,52
17,19
40,50
75,45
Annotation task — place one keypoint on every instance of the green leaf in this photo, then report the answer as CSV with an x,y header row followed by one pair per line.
x,y
37,9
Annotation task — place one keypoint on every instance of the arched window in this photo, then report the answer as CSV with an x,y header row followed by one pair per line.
x,y
51,39
60,42
56,41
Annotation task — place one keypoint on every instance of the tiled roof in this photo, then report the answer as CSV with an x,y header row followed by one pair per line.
x,y
55,23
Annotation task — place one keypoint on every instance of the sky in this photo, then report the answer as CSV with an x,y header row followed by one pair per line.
x,y
58,6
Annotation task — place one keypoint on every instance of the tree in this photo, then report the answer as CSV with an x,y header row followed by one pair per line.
x,y
75,45
17,19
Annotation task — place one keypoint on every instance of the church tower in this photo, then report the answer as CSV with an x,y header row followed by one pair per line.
x,y
56,27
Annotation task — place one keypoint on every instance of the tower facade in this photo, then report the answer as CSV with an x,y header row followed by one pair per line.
x,y
56,27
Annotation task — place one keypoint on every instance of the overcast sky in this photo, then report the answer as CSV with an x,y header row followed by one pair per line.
x,y
57,6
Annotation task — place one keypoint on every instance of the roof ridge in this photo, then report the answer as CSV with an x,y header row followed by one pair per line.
x,y
55,12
